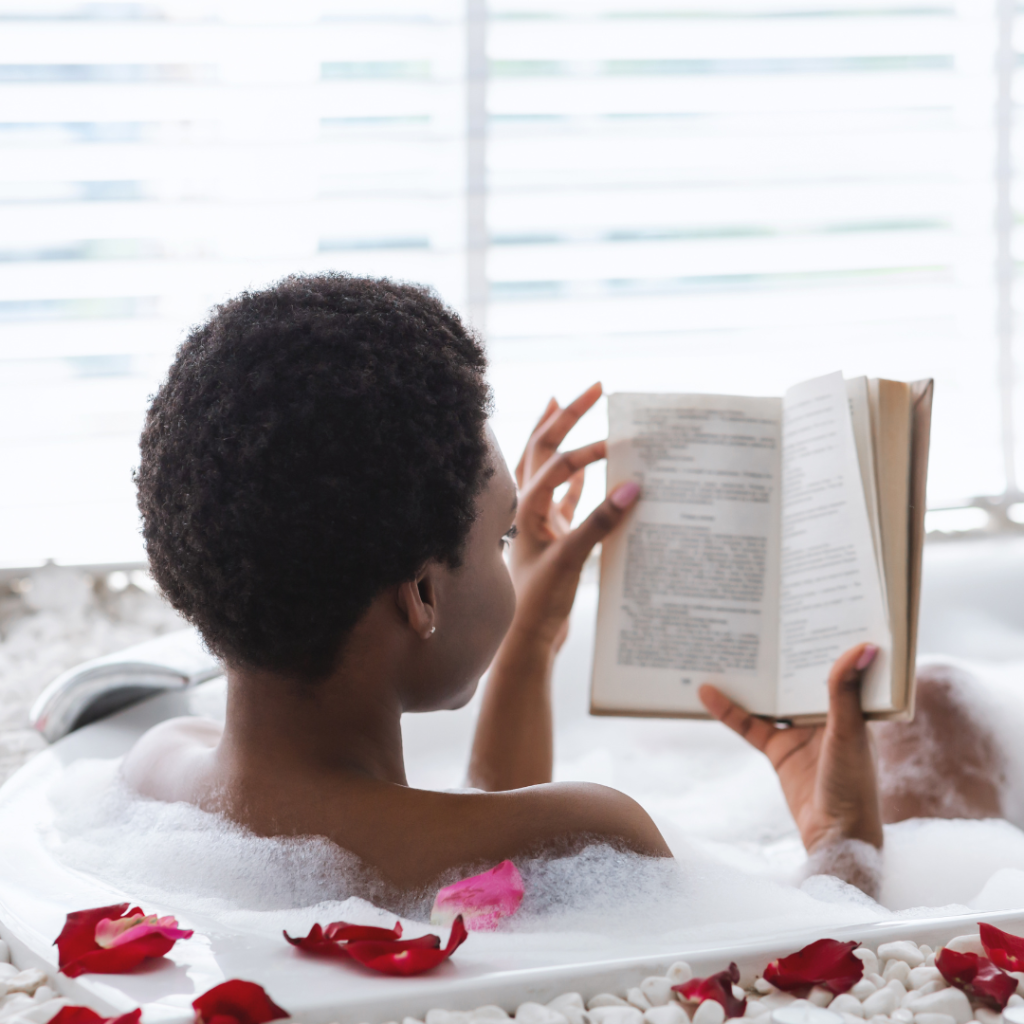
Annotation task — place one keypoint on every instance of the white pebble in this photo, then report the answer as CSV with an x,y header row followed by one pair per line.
x,y
755,1008
937,985
738,992
1013,1015
1019,975
26,981
657,990
926,950
804,1012
778,999
411,1020
669,1013
869,959
983,1015
44,993
488,1012
1014,1000
849,1018
929,960
536,1013
902,1016
881,1003
615,1015
922,975
820,996
898,987
880,1019
905,950
863,989
5,952
680,973
604,999
967,944
15,1003
43,1013
709,1012
933,1018
847,1003
950,1001
875,978
898,969
635,997
567,999
447,1017
763,986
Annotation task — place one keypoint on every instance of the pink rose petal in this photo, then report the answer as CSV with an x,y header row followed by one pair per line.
x,y
113,932
482,900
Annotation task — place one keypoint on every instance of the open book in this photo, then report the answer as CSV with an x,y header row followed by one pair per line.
x,y
771,535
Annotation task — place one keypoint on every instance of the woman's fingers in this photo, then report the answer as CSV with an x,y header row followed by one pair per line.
x,y
571,498
578,543
551,432
756,731
549,410
536,496
844,710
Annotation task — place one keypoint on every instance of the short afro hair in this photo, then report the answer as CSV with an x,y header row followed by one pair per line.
x,y
314,443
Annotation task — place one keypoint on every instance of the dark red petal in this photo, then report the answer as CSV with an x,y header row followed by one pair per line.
x,y
340,931
977,977
78,935
242,1002
413,956
825,962
317,944
1004,950
119,959
717,987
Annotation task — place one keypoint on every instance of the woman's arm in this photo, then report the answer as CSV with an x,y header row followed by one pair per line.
x,y
827,773
513,745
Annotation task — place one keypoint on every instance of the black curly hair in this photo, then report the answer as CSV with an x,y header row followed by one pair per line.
x,y
314,443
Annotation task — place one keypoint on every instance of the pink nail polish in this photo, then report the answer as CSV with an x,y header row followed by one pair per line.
x,y
866,657
625,494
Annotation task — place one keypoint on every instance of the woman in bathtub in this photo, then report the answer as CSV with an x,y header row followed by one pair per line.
x,y
323,498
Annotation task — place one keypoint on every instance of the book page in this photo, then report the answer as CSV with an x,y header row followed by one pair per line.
x,y
689,582
863,436
831,593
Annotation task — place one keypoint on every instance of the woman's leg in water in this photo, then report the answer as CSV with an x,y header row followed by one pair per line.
x,y
945,763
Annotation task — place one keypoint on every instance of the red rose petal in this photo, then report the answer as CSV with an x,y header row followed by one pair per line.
x,y
236,1002
79,953
83,1015
977,977
825,962
330,941
412,956
1004,950
717,987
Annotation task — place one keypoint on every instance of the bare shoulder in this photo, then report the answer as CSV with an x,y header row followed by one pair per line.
x,y
163,761
456,829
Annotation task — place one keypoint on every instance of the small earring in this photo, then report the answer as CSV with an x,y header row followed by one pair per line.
x,y
433,630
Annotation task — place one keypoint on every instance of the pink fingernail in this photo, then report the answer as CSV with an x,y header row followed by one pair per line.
x,y
866,657
625,494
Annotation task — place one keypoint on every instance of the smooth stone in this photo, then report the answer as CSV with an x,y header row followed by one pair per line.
x,y
902,1015
967,944
657,990
905,950
929,987
820,996
567,999
537,1013
15,1003
983,1015
862,989
897,986
764,987
868,958
738,992
1014,1000
5,952
605,999
1019,975
851,1018
680,973
26,981
488,1012
777,999
882,1003
440,1016
1013,1015
635,997
754,1008
625,1014
669,1013
950,1001
43,993
802,1011
43,1013
709,1012
876,979
412,1020
898,970
847,1003
922,975
933,1018
8,971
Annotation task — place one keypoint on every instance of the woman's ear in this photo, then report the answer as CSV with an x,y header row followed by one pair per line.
x,y
417,604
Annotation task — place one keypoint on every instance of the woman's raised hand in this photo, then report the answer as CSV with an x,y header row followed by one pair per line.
x,y
827,771
547,553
